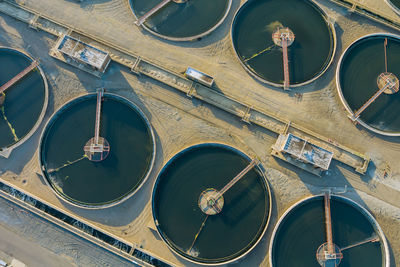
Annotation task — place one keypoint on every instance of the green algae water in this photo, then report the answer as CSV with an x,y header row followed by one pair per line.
x,y
360,67
188,19
23,101
85,182
309,55
216,238
302,231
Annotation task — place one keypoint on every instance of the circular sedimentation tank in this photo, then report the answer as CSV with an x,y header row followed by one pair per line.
x,y
23,104
89,182
395,5
301,233
310,48
366,67
182,20
232,225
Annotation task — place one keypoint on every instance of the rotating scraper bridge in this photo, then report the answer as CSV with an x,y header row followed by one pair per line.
x,y
155,9
15,81
19,76
387,83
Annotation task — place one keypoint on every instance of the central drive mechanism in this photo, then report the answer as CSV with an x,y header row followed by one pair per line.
x,y
210,201
97,151
281,34
329,255
389,81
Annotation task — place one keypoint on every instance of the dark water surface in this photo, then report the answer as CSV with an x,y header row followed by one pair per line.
x,y
225,235
361,66
396,3
303,231
97,183
182,20
310,53
24,100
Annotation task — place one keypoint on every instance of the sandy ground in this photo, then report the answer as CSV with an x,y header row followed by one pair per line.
x,y
38,243
27,251
180,122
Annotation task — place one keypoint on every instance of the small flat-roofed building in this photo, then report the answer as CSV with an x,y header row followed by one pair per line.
x,y
81,55
302,153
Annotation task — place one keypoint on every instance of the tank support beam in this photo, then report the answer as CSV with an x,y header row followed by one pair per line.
x,y
284,37
98,113
370,101
328,223
97,148
211,200
253,163
19,76
385,46
285,63
142,19
372,239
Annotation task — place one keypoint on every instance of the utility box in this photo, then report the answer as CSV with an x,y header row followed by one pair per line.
x,y
199,77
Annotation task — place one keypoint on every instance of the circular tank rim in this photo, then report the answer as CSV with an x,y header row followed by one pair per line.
x,y
108,204
363,210
393,7
231,148
339,88
331,26
188,38
9,149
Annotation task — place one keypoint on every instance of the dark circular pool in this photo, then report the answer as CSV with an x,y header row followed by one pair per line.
x,y
309,55
89,183
23,104
218,238
395,5
301,231
182,21
357,73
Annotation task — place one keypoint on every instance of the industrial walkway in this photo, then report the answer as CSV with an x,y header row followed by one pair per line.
x,y
19,76
372,239
98,114
142,19
328,223
358,7
285,64
237,178
369,102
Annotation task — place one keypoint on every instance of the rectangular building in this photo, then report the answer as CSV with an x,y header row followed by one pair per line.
x,y
81,55
302,153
